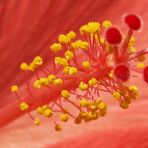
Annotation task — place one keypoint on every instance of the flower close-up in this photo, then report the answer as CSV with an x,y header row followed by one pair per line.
x,y
74,74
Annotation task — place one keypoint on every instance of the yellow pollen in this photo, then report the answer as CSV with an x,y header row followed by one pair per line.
x,y
83,86
24,66
107,24
38,61
61,61
58,81
37,121
14,88
133,88
24,106
92,81
58,127
47,112
72,71
37,84
116,95
64,117
51,78
40,110
132,49
69,55
140,65
124,104
83,103
71,35
65,94
79,44
64,39
86,64
55,47
91,27
102,106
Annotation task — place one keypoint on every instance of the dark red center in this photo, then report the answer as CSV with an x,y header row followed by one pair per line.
x,y
133,22
113,35
145,74
122,72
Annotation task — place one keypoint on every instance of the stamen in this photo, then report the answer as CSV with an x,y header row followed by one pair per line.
x,y
105,65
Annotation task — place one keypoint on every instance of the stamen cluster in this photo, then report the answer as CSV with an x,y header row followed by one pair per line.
x,y
88,66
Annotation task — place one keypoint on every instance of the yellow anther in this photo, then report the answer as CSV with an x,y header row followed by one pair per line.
x,y
91,27
86,64
58,127
58,81
51,78
64,117
92,81
102,41
111,74
78,120
79,44
24,106
56,47
61,61
37,84
37,121
89,115
45,106
40,110
43,81
64,39
83,29
124,104
116,95
69,55
47,112
38,61
83,86
65,94
102,113
140,65
24,66
95,115
131,42
72,71
14,88
133,89
132,49
83,103
71,35
82,114
107,24
32,67
94,27
102,106
66,69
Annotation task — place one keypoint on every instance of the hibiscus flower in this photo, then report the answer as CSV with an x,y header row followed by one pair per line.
x,y
28,29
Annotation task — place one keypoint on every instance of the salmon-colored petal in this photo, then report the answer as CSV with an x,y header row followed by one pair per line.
x,y
27,30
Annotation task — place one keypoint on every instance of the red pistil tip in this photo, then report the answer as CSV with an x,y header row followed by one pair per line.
x,y
145,74
122,72
133,21
113,35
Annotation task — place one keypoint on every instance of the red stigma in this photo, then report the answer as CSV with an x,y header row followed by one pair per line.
x,y
113,35
145,74
122,72
133,22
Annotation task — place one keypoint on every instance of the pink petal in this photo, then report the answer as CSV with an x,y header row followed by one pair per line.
x,y
27,29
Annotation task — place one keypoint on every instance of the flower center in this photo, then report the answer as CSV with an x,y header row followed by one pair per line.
x,y
82,67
